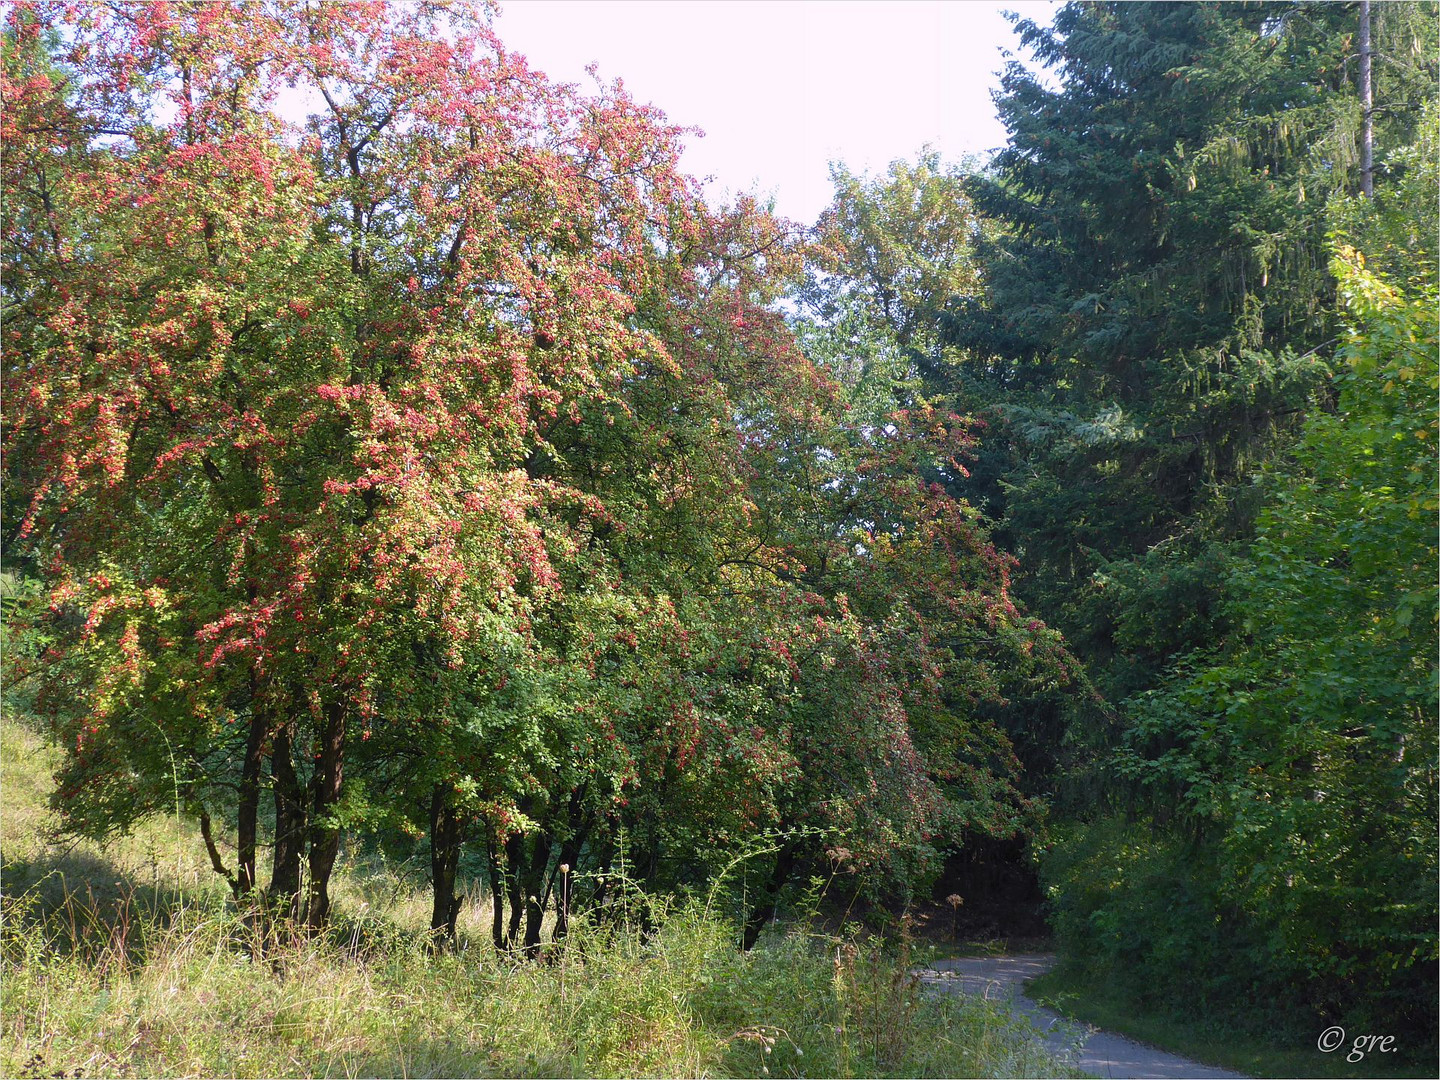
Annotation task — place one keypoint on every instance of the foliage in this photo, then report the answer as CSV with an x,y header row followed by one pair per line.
x,y
889,254
1300,755
278,385
444,465
444,476
1139,909
1209,443
1157,313
1214,1040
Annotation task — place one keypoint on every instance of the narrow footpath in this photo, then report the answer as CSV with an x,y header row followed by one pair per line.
x,y
1100,1053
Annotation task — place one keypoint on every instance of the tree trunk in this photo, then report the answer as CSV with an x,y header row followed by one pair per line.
x,y
446,837
289,827
325,794
564,872
249,809
1367,104
534,887
514,866
497,894
602,872
764,909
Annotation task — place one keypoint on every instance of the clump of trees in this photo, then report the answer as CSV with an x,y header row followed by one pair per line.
x,y
442,464
445,467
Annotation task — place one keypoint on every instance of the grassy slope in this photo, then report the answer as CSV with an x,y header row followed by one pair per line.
x,y
125,960
1097,1004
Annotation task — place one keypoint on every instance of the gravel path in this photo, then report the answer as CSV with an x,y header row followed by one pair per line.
x,y
1100,1053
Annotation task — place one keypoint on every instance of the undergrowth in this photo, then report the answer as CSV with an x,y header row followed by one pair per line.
x,y
127,961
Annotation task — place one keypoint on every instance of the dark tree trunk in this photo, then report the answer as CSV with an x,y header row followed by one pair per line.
x,y
514,868
649,869
602,872
289,827
446,837
764,909
497,893
325,794
534,888
249,809
564,872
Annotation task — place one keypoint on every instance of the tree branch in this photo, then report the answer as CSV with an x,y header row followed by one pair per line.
x,y
215,861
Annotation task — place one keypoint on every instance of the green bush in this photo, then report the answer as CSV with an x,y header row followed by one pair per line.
x,y
1142,911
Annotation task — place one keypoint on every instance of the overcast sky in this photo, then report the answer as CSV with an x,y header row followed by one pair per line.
x,y
782,87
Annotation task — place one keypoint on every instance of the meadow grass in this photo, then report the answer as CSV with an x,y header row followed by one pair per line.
x,y
129,960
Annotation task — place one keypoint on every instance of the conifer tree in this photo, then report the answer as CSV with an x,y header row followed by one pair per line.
x,y
1158,312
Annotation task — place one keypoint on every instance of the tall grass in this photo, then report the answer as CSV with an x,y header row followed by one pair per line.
x,y
140,967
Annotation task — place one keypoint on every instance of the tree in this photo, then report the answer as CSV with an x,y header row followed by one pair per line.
x,y
894,260
280,387
1307,743
1157,314
1295,758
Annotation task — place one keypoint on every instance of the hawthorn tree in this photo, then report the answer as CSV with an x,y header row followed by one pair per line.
x,y
280,385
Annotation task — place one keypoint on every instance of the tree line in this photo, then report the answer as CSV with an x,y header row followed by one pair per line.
x,y
1193,300
444,467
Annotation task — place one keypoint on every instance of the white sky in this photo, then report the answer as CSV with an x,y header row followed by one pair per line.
x,y
782,87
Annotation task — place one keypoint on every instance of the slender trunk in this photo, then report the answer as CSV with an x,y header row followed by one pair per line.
x,y
497,893
1367,104
563,899
602,872
577,826
325,794
651,866
446,836
764,909
534,887
216,862
514,867
565,869
289,826
249,810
